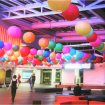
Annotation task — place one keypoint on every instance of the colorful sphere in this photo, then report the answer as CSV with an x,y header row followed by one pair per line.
x,y
103,49
66,50
1,44
83,28
81,54
100,47
77,52
7,46
33,51
17,54
90,34
36,56
10,53
63,56
58,47
91,57
72,52
14,32
97,43
52,55
58,55
85,55
43,42
92,38
15,47
24,51
59,5
68,57
29,37
40,52
46,53
13,57
2,52
51,45
71,13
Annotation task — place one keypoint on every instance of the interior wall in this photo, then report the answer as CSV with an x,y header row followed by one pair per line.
x,y
96,76
2,76
68,76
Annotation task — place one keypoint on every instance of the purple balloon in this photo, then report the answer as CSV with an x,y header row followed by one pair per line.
x,y
97,43
66,50
58,55
33,51
7,46
40,52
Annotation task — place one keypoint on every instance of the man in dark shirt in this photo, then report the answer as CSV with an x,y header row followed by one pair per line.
x,y
77,90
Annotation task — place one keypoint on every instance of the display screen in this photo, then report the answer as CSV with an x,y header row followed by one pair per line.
x,y
26,75
79,66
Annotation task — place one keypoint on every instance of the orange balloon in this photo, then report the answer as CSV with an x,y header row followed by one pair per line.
x,y
29,37
102,49
10,53
72,58
30,56
52,55
13,57
43,42
17,54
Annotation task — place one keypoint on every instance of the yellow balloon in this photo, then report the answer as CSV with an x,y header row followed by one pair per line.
x,y
59,5
13,57
52,55
102,49
83,28
17,54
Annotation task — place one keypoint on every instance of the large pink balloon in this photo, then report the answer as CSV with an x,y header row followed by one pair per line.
x,y
97,43
66,50
40,52
33,51
7,46
85,55
14,32
58,55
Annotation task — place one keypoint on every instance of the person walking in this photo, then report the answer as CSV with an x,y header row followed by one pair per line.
x,y
14,86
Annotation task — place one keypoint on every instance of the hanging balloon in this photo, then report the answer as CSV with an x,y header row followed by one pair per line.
x,y
77,53
19,60
7,46
66,50
81,54
40,58
48,60
36,56
51,45
100,47
40,52
43,42
46,53
13,57
71,13
10,53
2,59
33,51
32,62
83,28
24,62
29,37
1,52
97,43
14,32
88,56
17,54
103,49
52,55
24,51
1,44
58,47
76,58
92,38
63,56
15,48
90,34
30,56
25,58
72,52
91,57
59,5
72,58
57,60
58,55
102,52
68,57
85,55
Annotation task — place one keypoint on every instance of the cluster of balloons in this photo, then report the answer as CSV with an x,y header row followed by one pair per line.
x,y
69,11
85,29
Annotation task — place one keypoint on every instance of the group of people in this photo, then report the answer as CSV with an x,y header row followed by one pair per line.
x,y
14,84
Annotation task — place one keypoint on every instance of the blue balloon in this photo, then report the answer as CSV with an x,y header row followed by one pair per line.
x,y
46,53
81,54
102,52
68,57
2,59
77,52
72,52
1,44
52,63
91,57
11,62
48,60
63,56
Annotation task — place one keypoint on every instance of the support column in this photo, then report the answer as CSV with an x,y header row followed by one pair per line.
x,y
53,76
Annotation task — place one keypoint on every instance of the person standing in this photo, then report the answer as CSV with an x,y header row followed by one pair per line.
x,y
33,78
14,86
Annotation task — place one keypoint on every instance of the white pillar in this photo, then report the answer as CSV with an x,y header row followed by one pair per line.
x,y
53,76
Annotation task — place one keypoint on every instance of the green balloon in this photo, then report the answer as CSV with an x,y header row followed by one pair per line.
x,y
34,65
94,58
86,60
36,56
6,59
20,60
6,56
58,47
76,58
40,58
51,45
100,47
57,60
29,63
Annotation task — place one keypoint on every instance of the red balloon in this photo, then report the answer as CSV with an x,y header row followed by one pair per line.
x,y
25,58
88,56
92,38
36,60
44,59
71,13
98,59
2,52
24,61
24,51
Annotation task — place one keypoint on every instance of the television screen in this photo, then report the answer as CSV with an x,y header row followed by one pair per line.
x,y
26,75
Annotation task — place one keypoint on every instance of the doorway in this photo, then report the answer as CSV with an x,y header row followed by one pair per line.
x,y
47,78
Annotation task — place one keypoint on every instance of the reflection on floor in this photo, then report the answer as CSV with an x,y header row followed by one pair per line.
x,y
25,97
